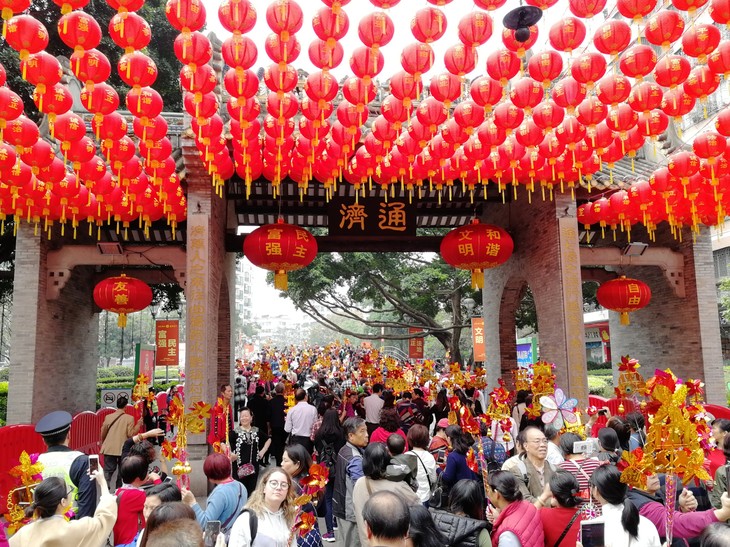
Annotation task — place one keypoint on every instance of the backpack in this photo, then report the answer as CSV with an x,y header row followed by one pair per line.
x,y
253,522
328,455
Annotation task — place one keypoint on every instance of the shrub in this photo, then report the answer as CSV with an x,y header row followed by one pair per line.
x,y
3,402
600,385
4,374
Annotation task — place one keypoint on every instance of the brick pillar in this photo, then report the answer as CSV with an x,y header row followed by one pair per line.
x,y
546,259
42,378
682,334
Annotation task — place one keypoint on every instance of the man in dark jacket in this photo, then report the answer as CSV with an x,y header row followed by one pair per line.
x,y
278,416
347,470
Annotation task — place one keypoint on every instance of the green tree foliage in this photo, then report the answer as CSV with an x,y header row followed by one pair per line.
x,y
383,294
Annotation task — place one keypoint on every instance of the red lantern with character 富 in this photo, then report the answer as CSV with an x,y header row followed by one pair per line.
x,y
122,295
624,295
280,247
476,247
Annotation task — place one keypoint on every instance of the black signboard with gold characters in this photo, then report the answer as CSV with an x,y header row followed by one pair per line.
x,y
371,217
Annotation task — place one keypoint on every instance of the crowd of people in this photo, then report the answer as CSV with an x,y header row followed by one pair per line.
x,y
402,471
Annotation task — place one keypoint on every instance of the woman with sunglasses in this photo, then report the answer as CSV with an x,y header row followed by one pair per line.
x,y
51,500
271,507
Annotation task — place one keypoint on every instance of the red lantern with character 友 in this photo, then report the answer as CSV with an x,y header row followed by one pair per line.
x,y
624,295
280,247
122,295
476,247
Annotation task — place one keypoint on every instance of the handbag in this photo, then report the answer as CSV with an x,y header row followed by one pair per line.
x,y
567,528
440,496
245,470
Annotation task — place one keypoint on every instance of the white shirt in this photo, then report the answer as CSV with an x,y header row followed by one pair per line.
x,y
554,456
426,470
373,405
272,530
300,418
616,536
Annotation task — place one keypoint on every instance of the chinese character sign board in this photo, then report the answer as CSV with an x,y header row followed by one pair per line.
x,y
144,361
371,217
415,345
167,338
477,339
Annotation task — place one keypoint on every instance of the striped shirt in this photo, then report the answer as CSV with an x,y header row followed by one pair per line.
x,y
581,470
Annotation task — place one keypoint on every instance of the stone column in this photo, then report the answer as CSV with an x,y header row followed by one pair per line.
x,y
54,343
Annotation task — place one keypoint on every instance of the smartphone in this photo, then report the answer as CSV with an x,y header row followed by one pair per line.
x,y
93,463
592,534
602,412
210,534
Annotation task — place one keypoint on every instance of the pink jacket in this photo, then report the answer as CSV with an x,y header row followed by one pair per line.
x,y
522,519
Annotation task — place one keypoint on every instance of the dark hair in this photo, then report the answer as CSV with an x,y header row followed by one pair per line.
x,y
460,442
521,438
406,395
330,425
418,391
623,431
145,449
300,395
377,388
521,396
396,444
608,439
726,447
636,420
56,438
166,491
374,461
505,483
418,436
423,531
217,467
259,390
388,401
133,467
566,442
224,386
722,423
122,401
716,534
442,400
47,495
389,419
351,425
166,513
467,497
565,488
607,480
299,456
386,514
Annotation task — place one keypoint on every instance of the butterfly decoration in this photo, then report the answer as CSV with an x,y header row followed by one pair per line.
x,y
558,409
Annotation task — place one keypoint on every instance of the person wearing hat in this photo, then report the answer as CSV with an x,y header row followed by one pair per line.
x,y
115,430
440,443
70,465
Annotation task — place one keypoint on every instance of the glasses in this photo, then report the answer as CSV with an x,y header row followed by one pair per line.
x,y
539,441
276,485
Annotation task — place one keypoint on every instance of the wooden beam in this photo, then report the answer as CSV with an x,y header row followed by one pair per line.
x,y
345,244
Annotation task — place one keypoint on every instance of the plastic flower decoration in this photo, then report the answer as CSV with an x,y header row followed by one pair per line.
x,y
27,474
634,468
141,389
559,410
168,449
28,471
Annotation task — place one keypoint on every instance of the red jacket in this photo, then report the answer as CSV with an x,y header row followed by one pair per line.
x,y
520,518
554,522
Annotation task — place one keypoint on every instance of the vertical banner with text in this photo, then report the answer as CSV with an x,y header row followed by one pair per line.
x,y
477,338
144,361
415,345
167,334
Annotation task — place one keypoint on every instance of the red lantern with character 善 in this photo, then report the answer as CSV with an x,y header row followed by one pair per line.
x,y
624,295
476,247
280,247
122,295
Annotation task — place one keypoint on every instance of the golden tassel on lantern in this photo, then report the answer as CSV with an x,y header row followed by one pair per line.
x,y
477,279
280,280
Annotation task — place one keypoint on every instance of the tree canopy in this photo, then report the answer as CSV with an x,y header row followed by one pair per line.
x,y
385,294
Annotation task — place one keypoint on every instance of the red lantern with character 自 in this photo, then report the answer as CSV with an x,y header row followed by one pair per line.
x,y
624,295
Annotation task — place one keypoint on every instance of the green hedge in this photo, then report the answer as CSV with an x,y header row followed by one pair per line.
x,y
600,385
3,402
594,365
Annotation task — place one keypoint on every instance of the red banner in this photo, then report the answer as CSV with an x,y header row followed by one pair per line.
x,y
415,345
477,339
167,334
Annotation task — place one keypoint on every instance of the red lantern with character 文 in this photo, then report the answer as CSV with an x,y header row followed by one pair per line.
x,y
280,247
624,295
476,247
122,295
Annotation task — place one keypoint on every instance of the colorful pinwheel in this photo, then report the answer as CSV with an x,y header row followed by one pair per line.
x,y
559,409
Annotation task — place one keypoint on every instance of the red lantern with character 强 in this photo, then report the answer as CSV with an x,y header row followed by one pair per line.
x,y
122,295
281,248
624,295
476,247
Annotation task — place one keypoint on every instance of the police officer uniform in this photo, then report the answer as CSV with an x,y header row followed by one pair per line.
x,y
70,465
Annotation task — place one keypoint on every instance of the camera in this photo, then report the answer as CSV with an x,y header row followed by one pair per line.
x,y
585,447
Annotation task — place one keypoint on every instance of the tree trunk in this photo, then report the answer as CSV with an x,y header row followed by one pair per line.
x,y
456,319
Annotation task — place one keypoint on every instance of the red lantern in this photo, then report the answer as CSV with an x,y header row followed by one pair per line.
x,y
700,40
475,29
722,122
282,81
624,295
701,82
690,6
366,63
547,115
638,61
476,247
677,103
545,67
720,11
137,69
193,49
428,25
189,15
486,92
431,113
284,17
282,52
324,57
510,41
586,9
526,93
672,70
460,59
567,34
612,90
468,115
416,59
508,117
635,9
489,5
405,87
239,52
591,112
588,68
122,295
26,35
645,96
129,31
568,94
79,30
376,30
503,65
664,28
281,248
612,37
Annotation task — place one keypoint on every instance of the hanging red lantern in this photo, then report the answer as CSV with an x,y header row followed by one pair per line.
x,y
700,40
460,59
591,112
282,52
664,28
637,61
122,295
612,37
357,91
645,96
428,25
129,31
635,9
547,115
510,41
719,60
281,248
545,67
79,31
189,15
91,67
240,52
720,11
526,93
203,79
376,30
416,59
431,113
612,90
324,57
503,65
588,69
652,123
489,5
690,6
624,295
330,26
280,81
567,34
508,116
405,87
722,122
284,17
585,9
671,70
366,63
321,86
542,4
476,247
486,92
26,35
568,94
701,82
193,49
137,69
475,28
677,103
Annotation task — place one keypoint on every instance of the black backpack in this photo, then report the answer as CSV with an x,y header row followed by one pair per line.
x,y
328,455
